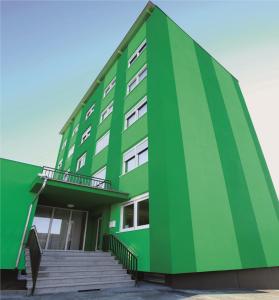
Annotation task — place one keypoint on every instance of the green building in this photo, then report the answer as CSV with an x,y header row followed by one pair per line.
x,y
161,156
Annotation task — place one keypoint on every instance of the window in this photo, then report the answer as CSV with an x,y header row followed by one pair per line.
x,y
109,87
81,161
89,112
102,142
60,164
66,175
71,151
137,79
101,174
75,130
135,156
64,144
86,134
137,53
106,112
135,214
135,113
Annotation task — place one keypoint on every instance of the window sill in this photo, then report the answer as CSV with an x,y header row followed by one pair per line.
x,y
133,229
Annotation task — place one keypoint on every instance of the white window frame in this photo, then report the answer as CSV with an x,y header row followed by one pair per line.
x,y
109,87
82,159
135,202
85,135
89,112
106,112
136,79
59,166
75,130
99,140
136,153
137,53
96,184
135,110
71,151
64,144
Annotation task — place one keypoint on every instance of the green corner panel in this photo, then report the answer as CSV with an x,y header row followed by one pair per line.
x,y
15,182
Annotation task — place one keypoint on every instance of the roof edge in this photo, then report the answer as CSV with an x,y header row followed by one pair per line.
x,y
146,12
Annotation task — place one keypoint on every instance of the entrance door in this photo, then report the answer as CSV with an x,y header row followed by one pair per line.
x,y
60,228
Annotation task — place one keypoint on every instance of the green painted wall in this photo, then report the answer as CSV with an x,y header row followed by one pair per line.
x,y
218,209
212,202
15,182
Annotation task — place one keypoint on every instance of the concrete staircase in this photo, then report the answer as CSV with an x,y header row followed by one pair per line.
x,y
66,271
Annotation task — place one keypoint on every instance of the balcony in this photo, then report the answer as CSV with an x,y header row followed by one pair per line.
x,y
74,178
61,188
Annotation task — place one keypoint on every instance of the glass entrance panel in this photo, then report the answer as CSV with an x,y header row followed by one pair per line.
x,y
42,222
76,230
59,229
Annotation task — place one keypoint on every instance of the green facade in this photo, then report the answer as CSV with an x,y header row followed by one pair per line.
x,y
15,181
212,204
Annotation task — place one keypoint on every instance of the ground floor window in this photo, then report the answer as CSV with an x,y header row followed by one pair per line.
x,y
135,213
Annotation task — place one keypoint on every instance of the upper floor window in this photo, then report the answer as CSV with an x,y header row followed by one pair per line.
x,y
81,161
99,176
102,142
89,112
109,87
64,144
106,112
137,79
135,156
135,213
59,166
71,151
137,53
86,135
135,113
75,130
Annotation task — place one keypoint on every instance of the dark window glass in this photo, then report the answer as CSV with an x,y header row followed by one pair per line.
x,y
143,213
128,216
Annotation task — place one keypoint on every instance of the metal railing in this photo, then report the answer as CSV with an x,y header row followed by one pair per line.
x,y
126,257
74,178
35,250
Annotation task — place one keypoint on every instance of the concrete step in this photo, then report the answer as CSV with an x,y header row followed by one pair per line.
x,y
72,259
82,287
81,272
95,268
62,253
42,282
62,263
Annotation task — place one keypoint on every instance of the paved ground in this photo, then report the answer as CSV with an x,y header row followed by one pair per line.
x,y
147,291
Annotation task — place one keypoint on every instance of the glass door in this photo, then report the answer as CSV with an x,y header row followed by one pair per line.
x,y
76,230
42,222
60,228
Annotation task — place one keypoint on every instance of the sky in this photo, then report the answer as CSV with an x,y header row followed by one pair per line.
x,y
51,51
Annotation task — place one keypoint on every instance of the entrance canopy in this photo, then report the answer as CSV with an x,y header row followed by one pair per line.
x,y
84,192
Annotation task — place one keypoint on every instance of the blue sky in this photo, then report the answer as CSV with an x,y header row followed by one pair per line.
x,y
51,51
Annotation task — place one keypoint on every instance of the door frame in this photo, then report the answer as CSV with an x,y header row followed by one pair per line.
x,y
69,225
99,220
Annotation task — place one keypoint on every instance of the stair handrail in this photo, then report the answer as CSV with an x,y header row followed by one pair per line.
x,y
125,255
33,244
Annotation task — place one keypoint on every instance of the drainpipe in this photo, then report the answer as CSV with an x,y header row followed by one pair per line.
x,y
28,217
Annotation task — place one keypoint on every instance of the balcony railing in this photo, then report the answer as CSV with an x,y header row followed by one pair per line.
x,y
74,178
